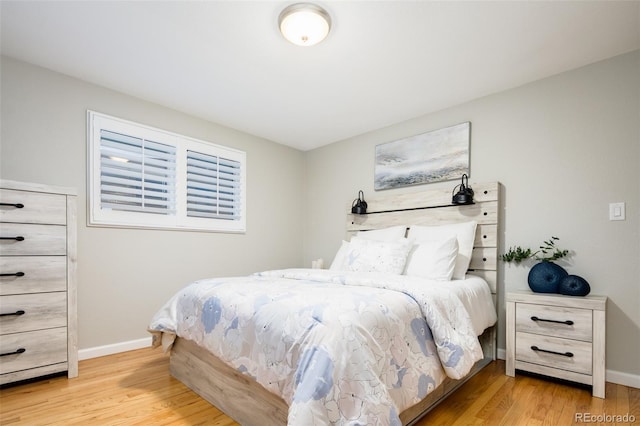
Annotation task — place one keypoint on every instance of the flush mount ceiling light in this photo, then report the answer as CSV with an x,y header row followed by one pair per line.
x,y
304,24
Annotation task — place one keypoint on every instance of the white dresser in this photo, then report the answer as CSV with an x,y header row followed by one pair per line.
x,y
38,331
558,336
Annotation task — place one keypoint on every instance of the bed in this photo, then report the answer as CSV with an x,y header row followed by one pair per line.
x,y
347,345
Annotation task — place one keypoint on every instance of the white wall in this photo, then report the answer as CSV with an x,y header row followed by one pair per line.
x,y
125,275
563,148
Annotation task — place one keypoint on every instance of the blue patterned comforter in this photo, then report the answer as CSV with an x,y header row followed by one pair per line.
x,y
339,348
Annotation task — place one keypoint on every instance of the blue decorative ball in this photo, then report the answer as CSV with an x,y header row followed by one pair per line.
x,y
574,285
545,277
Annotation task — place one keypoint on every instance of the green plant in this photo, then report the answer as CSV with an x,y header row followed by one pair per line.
x,y
548,252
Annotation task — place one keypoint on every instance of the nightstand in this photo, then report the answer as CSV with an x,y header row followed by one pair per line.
x,y
558,336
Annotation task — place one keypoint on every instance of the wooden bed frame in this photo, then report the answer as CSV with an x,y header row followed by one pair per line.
x,y
248,403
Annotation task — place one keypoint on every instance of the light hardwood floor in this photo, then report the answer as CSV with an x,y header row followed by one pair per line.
x,y
134,388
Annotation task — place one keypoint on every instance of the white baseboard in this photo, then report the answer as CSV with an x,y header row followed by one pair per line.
x,y
114,348
612,376
631,380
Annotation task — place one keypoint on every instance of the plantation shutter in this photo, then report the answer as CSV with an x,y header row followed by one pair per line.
x,y
136,174
213,187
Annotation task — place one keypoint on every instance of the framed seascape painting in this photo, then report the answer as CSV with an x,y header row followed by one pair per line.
x,y
434,156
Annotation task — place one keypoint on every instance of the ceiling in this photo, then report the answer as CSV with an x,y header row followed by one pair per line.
x,y
384,61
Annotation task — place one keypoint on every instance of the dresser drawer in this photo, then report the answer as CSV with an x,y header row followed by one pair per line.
x,y
37,281
33,240
555,321
36,349
33,274
37,207
41,310
579,361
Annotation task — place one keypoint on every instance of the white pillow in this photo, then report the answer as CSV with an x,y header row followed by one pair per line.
x,y
465,232
393,233
365,255
338,260
434,260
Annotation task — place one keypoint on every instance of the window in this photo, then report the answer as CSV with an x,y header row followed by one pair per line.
x,y
136,174
145,177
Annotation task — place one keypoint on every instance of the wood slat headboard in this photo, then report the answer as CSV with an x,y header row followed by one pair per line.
x,y
433,207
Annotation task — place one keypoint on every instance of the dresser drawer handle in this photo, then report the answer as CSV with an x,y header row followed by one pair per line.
x,y
15,274
16,352
567,322
16,313
537,349
18,238
16,205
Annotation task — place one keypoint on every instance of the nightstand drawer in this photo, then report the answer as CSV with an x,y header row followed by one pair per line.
x,y
564,354
33,240
555,321
28,312
21,351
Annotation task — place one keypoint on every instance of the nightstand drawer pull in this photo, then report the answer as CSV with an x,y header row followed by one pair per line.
x,y
18,238
16,313
16,352
15,274
537,349
567,322
16,205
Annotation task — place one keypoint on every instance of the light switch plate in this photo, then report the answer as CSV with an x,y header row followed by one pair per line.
x,y
617,211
